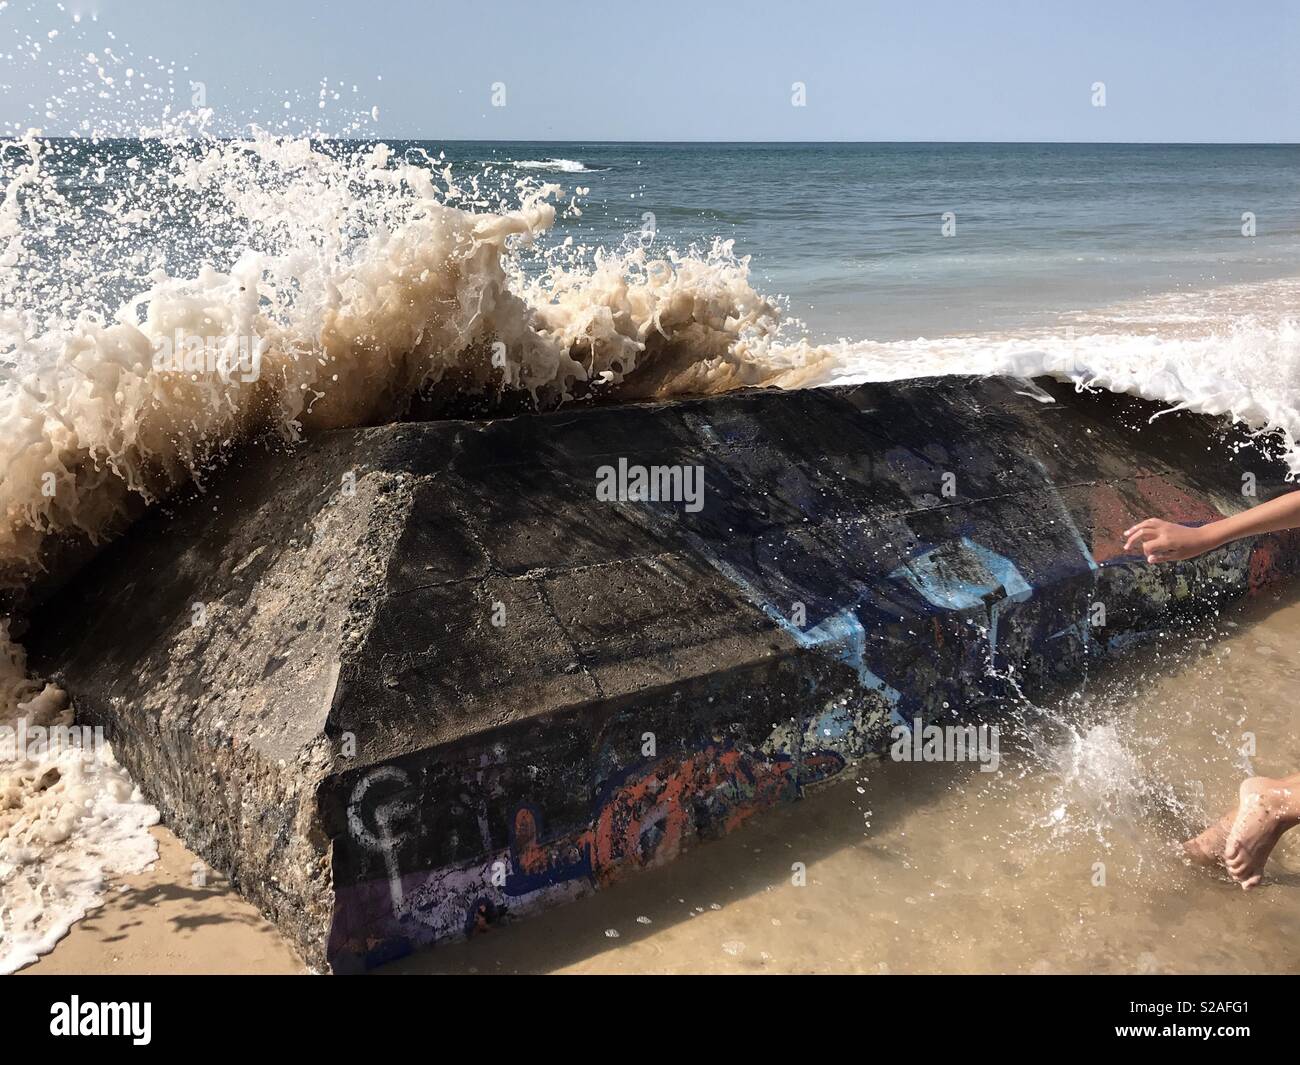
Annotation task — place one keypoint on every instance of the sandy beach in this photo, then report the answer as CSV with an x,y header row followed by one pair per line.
x,y
162,921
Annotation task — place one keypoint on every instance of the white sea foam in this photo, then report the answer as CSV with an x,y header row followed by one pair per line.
x,y
559,166
1231,351
368,299
69,819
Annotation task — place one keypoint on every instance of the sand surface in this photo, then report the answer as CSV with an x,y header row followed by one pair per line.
x,y
178,917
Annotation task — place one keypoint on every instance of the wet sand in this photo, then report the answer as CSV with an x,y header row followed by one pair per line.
x,y
165,920
1067,860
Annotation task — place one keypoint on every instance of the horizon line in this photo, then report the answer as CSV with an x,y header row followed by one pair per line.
x,y
599,141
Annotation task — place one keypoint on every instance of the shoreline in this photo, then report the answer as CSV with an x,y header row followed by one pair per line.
x,y
161,921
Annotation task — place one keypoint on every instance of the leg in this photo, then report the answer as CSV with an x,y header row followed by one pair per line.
x,y
1267,809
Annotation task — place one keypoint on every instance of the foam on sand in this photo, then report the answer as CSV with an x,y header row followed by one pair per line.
x,y
69,817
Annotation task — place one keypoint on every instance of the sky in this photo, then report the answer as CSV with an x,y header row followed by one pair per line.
x,y
965,70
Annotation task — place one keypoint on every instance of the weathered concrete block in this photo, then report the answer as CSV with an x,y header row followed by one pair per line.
x,y
403,682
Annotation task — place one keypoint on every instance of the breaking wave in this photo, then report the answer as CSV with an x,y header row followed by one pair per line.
x,y
559,166
1232,351
339,285
358,282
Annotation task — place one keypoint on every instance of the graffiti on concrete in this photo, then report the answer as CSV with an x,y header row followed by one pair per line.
x,y
928,610
645,818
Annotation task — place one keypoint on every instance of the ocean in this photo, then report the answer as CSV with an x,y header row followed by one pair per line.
x,y
854,234
869,241
906,258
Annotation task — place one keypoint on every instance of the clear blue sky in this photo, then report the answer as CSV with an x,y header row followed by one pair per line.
x,y
1197,70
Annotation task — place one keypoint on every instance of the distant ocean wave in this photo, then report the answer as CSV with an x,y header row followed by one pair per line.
x,y
559,166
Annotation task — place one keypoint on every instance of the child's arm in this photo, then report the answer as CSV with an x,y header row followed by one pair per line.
x,y
1162,541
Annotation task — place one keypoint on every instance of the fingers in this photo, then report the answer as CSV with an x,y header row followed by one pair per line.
x,y
1157,540
1135,539
1143,530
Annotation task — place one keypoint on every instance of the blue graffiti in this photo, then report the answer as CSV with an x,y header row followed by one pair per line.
x,y
980,576
966,582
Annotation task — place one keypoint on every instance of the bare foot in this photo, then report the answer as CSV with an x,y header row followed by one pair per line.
x,y
1267,809
1207,848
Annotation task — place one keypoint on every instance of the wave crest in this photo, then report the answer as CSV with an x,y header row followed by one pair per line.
x,y
382,286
